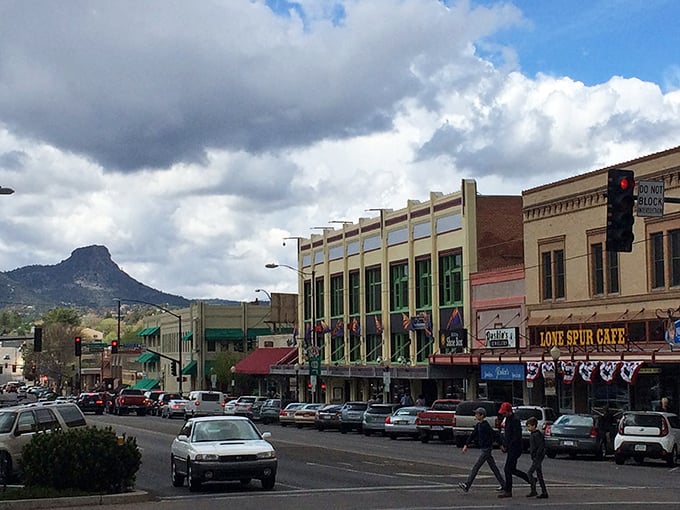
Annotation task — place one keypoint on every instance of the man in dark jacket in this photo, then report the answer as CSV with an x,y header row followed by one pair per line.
x,y
512,446
482,434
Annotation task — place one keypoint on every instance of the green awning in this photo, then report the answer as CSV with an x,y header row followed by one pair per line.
x,y
190,368
147,384
223,334
253,332
148,357
188,335
149,331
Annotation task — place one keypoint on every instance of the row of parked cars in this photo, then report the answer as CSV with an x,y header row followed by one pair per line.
x,y
636,435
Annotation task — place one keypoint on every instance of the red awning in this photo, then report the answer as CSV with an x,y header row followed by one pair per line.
x,y
261,359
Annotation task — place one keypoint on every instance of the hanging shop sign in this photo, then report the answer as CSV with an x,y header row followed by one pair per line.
x,y
453,341
501,338
502,371
582,336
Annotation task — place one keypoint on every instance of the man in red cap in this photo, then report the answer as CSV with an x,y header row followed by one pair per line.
x,y
512,446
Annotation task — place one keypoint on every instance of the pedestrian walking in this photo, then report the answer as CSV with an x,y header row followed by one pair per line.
x,y
482,434
512,446
537,452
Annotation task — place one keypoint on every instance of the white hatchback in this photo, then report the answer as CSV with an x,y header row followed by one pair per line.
x,y
647,434
204,403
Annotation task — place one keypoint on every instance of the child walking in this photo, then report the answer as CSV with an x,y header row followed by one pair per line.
x,y
537,452
482,434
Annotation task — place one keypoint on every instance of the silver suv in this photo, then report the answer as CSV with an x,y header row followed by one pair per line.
x,y
352,416
204,403
544,415
19,424
647,434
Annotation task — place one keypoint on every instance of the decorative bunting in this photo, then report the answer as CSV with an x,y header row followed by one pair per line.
x,y
629,370
533,370
587,369
547,366
608,370
568,371
337,329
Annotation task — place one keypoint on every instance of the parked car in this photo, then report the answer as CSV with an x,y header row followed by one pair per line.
x,y
270,410
352,416
437,420
287,414
162,401
544,415
204,403
402,422
305,416
90,402
328,417
576,434
19,424
375,416
130,400
647,434
152,400
174,408
249,406
230,407
464,420
222,448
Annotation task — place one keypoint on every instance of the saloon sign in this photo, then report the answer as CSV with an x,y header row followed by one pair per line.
x,y
502,338
583,336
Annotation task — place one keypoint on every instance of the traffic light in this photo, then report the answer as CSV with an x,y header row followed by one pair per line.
x,y
114,346
620,202
78,346
173,368
37,339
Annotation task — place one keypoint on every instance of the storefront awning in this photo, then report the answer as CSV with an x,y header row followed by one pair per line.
x,y
149,331
188,335
255,332
261,359
189,368
147,357
147,384
223,334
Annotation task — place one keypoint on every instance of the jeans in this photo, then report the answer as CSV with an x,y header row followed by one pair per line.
x,y
510,469
536,467
485,455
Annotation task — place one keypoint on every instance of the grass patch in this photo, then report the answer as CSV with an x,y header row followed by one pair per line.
x,y
14,492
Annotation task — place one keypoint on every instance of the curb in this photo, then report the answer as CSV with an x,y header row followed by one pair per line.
x,y
98,499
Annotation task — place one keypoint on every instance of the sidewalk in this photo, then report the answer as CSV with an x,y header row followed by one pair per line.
x,y
79,501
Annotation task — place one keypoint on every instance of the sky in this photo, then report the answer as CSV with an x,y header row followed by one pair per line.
x,y
191,138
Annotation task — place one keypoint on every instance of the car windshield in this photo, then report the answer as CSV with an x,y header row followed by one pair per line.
x,y
525,414
575,420
7,422
356,407
380,410
643,420
410,411
223,430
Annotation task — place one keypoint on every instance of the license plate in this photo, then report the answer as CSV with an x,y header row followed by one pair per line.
x,y
640,447
326,417
437,427
568,443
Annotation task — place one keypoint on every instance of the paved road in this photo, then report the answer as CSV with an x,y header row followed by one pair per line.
x,y
329,471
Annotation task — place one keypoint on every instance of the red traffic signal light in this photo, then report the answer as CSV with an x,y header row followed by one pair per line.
x,y
620,202
78,344
114,346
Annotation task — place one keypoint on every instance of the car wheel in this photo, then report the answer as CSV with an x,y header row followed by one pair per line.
x,y
5,467
367,432
343,429
299,425
424,437
194,483
268,483
177,479
619,459
551,454
244,481
265,421
393,436
283,424
671,460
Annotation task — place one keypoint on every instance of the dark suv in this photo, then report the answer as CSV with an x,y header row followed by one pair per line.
x,y
352,416
91,402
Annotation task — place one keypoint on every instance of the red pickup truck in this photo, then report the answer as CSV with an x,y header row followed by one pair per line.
x,y
438,420
129,400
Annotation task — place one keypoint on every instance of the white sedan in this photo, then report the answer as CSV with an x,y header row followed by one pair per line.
x,y
222,448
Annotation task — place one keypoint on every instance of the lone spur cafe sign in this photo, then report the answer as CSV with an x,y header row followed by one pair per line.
x,y
583,337
501,338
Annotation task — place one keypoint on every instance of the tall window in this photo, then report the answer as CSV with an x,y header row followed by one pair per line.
x,y
318,297
424,284
308,300
658,261
354,293
604,270
399,287
400,347
336,296
674,240
373,289
553,274
451,279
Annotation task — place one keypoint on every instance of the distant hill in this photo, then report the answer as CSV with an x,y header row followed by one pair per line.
x,y
87,279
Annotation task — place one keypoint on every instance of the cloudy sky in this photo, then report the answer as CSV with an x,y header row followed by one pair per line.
x,y
190,138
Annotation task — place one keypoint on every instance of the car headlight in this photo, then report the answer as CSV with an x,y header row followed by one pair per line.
x,y
206,457
267,455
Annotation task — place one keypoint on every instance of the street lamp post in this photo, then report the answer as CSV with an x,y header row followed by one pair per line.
x,y
297,382
179,319
555,355
233,381
269,296
313,299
